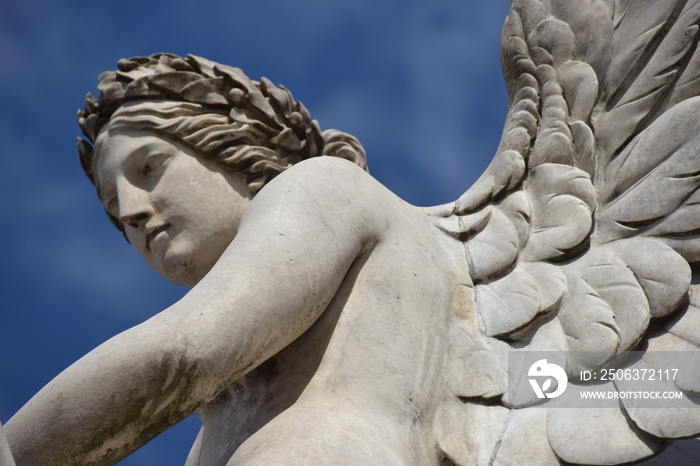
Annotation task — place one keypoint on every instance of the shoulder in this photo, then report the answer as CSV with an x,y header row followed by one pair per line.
x,y
334,190
325,172
329,183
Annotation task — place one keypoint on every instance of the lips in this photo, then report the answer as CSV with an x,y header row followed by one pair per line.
x,y
151,233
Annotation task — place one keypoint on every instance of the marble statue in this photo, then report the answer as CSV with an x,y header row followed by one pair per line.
x,y
331,322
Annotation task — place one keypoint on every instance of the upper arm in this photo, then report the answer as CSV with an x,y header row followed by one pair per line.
x,y
295,244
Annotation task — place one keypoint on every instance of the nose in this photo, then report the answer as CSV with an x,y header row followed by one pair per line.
x,y
135,208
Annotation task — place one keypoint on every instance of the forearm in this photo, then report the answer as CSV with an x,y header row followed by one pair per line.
x,y
107,404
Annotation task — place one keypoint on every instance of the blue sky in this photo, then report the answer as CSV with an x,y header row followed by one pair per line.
x,y
418,82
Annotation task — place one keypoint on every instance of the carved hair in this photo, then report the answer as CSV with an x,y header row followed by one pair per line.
x,y
256,128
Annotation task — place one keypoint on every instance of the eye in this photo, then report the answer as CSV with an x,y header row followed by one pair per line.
x,y
153,162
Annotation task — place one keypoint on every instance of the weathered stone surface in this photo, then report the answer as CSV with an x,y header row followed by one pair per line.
x,y
331,322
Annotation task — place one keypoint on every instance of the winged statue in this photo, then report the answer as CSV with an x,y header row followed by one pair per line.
x,y
331,322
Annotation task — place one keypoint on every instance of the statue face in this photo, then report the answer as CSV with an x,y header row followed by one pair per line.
x,y
180,210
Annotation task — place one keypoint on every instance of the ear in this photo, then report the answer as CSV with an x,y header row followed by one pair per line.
x,y
339,144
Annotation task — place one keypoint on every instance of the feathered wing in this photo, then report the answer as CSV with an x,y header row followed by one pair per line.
x,y
582,232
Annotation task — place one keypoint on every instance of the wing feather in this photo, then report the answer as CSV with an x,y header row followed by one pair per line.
x,y
656,176
597,436
581,233
644,68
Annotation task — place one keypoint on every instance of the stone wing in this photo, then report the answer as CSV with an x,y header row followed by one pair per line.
x,y
584,231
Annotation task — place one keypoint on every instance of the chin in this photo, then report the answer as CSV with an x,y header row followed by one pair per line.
x,y
181,271
186,268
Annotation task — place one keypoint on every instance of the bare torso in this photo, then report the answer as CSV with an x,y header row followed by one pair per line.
x,y
344,383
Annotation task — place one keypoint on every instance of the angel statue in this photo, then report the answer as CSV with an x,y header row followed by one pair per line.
x,y
330,322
